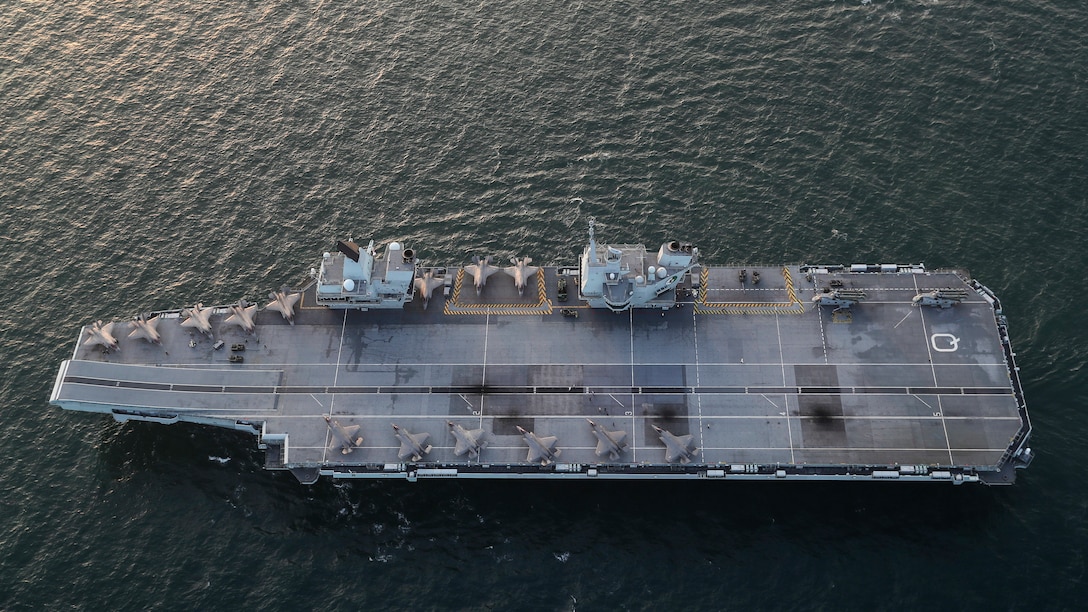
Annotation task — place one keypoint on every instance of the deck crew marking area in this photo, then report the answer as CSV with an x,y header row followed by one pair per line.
x,y
499,296
717,283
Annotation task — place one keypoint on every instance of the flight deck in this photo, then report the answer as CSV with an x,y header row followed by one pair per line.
x,y
798,372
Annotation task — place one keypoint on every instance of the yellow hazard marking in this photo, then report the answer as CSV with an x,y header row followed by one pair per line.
x,y
793,306
457,286
454,307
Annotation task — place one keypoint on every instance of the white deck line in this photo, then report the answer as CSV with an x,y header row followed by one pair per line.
x,y
646,391
711,448
483,368
785,396
335,375
634,418
199,367
79,344
560,417
933,368
823,335
339,352
698,396
219,412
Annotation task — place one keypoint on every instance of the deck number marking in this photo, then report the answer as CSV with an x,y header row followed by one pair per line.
x,y
948,344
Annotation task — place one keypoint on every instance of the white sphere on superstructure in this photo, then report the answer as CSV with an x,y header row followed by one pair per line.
x,y
349,285
394,246
662,272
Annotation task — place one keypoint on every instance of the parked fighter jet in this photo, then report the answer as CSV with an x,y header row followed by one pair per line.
x,y
198,318
521,271
411,445
480,271
145,328
540,449
344,438
283,302
677,447
611,442
101,334
426,284
469,441
241,314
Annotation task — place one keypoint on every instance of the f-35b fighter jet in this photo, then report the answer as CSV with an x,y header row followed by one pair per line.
x,y
344,439
540,449
677,447
521,271
411,445
469,441
608,442
480,270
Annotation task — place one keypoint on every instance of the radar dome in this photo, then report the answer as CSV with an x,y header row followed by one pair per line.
x,y
349,285
394,246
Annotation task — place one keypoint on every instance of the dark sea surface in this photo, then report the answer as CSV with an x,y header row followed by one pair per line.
x,y
155,154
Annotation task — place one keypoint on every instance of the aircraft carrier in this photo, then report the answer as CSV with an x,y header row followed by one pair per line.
x,y
628,364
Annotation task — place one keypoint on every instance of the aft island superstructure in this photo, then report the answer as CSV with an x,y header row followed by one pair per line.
x,y
630,364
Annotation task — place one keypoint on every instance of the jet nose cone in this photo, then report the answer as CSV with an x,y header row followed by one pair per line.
x,y
591,423
327,418
657,429
395,428
521,430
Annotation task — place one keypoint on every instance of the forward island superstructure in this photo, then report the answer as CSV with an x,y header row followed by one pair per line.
x,y
631,364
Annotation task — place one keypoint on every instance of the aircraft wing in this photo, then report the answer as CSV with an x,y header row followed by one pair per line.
x,y
603,448
616,437
543,450
100,334
475,270
407,449
412,445
427,285
146,330
345,437
460,447
681,448
672,453
465,444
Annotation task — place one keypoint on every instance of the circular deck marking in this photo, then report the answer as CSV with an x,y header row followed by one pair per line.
x,y
950,342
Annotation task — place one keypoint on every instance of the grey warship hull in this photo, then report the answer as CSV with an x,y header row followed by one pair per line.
x,y
767,383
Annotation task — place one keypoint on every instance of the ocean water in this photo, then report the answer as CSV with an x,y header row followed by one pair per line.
x,y
153,154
